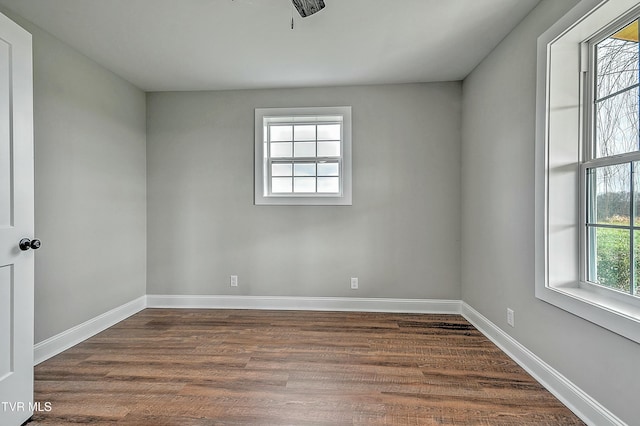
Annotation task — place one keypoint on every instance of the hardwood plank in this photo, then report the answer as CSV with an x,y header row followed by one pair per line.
x,y
205,367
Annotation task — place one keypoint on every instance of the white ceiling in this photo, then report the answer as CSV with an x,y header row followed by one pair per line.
x,y
234,44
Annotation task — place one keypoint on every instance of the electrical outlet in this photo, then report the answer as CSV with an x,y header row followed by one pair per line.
x,y
354,283
234,281
510,317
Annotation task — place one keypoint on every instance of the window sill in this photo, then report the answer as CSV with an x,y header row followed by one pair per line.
x,y
310,200
596,305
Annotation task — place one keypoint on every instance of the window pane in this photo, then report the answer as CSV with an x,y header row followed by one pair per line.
x,y
281,149
329,132
328,169
281,170
617,124
305,149
281,133
328,184
609,194
617,61
305,133
329,149
611,254
280,185
305,169
304,184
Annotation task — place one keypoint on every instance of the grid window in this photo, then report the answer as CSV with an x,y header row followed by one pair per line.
x,y
612,166
303,158
313,165
587,232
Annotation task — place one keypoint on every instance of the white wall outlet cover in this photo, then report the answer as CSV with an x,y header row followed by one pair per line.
x,y
510,317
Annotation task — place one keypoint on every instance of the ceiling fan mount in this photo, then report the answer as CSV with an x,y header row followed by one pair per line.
x,y
308,7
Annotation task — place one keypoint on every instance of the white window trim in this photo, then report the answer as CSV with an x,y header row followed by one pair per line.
x,y
560,130
343,199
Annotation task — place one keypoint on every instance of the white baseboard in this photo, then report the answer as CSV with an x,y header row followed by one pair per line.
x,y
71,337
584,406
430,306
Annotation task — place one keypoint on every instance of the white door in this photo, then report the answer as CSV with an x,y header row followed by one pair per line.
x,y
16,223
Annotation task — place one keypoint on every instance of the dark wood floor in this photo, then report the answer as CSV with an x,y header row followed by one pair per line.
x,y
210,367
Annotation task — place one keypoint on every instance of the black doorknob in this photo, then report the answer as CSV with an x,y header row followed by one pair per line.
x,y
26,244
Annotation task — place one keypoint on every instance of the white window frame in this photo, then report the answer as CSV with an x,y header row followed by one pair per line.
x,y
562,138
263,193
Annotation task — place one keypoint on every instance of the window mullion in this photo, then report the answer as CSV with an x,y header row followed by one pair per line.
x,y
631,230
619,92
589,232
632,286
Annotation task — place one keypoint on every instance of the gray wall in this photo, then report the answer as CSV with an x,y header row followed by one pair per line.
x,y
498,224
90,190
401,236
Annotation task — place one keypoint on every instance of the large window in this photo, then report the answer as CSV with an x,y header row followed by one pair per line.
x,y
612,166
587,247
303,156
